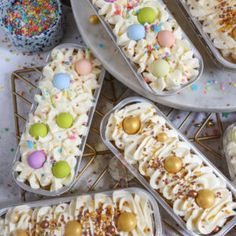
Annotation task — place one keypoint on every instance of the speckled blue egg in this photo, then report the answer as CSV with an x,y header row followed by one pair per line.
x,y
136,32
61,81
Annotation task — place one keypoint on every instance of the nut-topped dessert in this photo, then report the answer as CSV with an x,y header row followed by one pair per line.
x,y
218,18
123,213
180,176
152,40
51,142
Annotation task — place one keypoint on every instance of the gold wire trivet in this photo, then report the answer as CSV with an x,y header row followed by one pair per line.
x,y
91,153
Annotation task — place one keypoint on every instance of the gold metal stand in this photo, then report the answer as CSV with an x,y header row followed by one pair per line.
x,y
91,153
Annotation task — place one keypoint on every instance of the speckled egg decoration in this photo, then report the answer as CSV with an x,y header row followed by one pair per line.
x,y
64,120
61,169
83,67
160,68
36,159
61,81
38,130
136,32
166,38
147,15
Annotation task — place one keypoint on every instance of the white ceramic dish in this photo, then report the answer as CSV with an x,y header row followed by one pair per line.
x,y
213,92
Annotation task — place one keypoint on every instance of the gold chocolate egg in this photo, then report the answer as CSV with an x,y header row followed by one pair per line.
x,y
234,33
19,232
93,19
73,228
162,137
14,217
205,198
131,124
127,221
173,164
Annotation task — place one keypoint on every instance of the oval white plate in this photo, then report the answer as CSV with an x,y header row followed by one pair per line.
x,y
215,91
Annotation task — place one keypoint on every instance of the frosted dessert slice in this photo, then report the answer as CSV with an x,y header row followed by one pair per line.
x,y
230,147
123,213
50,145
152,40
218,20
179,175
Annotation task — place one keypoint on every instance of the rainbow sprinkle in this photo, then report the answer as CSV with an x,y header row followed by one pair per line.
x,y
31,17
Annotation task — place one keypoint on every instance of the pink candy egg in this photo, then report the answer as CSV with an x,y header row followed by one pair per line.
x,y
36,159
166,38
83,67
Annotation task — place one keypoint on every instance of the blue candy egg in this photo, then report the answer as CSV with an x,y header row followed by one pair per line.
x,y
61,81
136,32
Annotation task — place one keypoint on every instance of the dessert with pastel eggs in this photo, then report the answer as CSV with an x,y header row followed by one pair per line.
x,y
50,145
181,177
123,213
153,41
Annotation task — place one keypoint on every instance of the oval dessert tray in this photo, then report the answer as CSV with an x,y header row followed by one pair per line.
x,y
31,145
214,91
137,155
73,204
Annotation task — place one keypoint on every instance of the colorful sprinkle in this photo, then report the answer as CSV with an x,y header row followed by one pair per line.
x,y
31,17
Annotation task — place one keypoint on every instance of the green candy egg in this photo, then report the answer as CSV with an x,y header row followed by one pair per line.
x,y
64,120
146,15
61,169
160,68
38,130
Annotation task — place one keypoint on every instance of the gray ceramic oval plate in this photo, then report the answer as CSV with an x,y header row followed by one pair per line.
x,y
215,91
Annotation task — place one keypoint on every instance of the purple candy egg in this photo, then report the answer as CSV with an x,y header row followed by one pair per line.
x,y
36,159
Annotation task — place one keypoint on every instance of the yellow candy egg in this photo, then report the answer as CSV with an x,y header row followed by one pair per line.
x,y
234,33
173,164
14,217
131,124
205,198
73,228
127,221
19,232
162,137
93,19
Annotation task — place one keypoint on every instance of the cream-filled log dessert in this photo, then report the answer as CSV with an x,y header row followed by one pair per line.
x,y
179,175
152,40
124,213
230,148
50,144
218,18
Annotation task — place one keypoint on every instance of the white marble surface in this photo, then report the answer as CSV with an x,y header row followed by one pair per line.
x,y
215,91
11,60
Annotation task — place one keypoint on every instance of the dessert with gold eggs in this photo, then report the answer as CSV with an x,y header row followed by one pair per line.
x,y
198,196
229,143
218,20
152,40
51,144
124,212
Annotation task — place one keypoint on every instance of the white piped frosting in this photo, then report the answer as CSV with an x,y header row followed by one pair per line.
x,y
59,144
148,155
97,215
184,66
218,20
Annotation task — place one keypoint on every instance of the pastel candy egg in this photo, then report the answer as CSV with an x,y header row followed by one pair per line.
x,y
64,120
146,15
36,159
136,32
166,38
83,67
38,130
160,68
61,81
61,169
